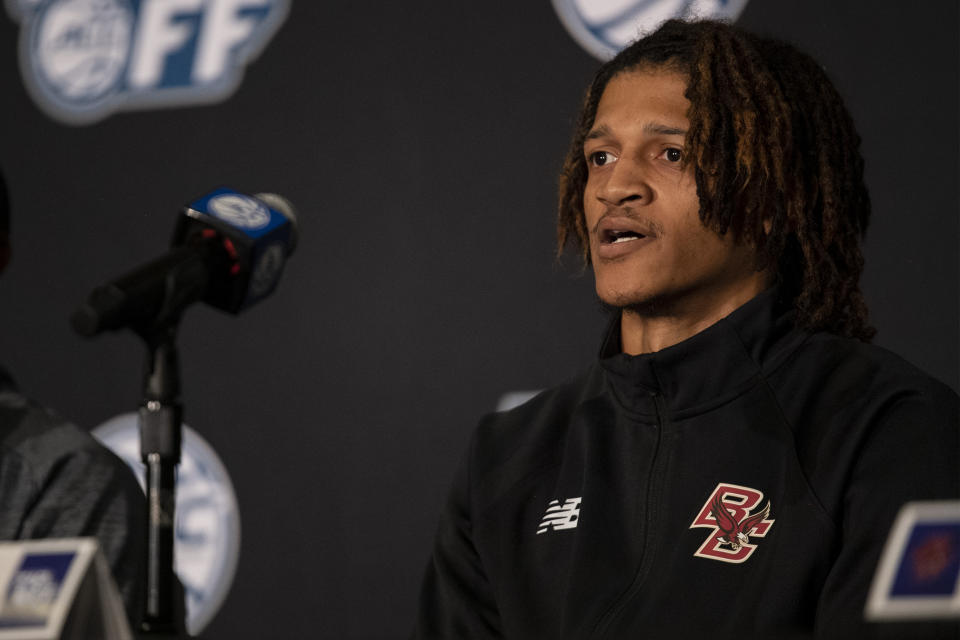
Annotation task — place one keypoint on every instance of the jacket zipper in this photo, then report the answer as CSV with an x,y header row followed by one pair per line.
x,y
650,522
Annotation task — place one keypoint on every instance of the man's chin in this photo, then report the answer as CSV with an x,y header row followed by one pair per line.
x,y
633,302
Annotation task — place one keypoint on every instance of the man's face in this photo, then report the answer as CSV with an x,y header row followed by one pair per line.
x,y
648,247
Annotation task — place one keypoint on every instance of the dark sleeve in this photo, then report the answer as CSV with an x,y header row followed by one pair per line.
x,y
911,454
457,600
71,486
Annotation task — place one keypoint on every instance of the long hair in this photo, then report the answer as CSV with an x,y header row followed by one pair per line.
x,y
771,145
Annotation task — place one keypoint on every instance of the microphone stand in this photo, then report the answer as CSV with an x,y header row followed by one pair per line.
x,y
161,435
156,321
204,265
160,417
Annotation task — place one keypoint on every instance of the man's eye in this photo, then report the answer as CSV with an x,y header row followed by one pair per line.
x,y
600,158
673,155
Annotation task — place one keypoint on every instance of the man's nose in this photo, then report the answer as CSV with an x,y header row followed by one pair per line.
x,y
626,182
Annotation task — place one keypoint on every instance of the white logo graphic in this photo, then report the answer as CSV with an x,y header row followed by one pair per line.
x,y
604,27
240,211
267,270
84,59
207,527
34,589
565,516
81,48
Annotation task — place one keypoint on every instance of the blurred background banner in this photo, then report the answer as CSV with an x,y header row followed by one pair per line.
x,y
85,59
604,27
420,143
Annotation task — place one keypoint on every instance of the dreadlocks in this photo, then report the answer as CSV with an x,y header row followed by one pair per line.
x,y
771,146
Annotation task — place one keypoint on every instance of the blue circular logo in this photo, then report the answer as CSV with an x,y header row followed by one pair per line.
x,y
80,50
240,211
604,27
207,519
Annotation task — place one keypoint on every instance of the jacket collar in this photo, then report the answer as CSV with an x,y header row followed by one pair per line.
x,y
708,368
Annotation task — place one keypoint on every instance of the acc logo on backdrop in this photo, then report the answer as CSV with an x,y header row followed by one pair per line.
x,y
604,27
82,60
207,543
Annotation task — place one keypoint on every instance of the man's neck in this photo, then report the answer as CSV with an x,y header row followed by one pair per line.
x,y
657,327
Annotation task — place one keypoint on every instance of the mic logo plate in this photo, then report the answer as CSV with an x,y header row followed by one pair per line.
x,y
267,270
240,211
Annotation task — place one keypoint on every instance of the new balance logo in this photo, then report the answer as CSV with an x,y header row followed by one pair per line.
x,y
561,516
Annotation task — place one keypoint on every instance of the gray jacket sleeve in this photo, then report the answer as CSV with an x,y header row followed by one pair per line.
x,y
56,481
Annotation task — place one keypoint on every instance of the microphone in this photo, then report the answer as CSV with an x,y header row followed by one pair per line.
x,y
228,250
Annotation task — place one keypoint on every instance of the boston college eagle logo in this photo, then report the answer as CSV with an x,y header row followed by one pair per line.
x,y
727,513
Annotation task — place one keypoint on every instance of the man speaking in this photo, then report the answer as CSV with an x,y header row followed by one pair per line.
x,y
732,463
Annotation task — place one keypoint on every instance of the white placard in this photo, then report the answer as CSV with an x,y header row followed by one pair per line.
x,y
43,581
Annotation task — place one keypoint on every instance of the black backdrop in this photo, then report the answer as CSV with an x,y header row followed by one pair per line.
x,y
420,143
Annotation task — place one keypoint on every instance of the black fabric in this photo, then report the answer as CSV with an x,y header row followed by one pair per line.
x,y
837,435
56,481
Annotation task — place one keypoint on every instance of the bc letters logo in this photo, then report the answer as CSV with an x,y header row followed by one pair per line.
x,y
82,60
604,27
727,514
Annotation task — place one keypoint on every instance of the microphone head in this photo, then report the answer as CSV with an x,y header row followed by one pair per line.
x,y
250,237
283,206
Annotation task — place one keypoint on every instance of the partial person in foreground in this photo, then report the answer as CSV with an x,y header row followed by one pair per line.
x,y
56,481
732,463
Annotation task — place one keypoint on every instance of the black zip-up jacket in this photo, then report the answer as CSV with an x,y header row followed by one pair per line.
x,y
591,511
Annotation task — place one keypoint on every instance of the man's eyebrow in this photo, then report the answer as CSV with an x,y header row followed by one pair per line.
x,y
651,128
663,130
600,132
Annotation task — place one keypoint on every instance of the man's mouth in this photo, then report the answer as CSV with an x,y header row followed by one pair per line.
x,y
621,235
616,236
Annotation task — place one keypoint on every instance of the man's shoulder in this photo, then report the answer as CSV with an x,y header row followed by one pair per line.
x,y
865,378
545,412
865,364
532,435
39,443
30,430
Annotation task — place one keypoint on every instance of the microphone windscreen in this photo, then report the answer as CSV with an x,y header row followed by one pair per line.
x,y
284,207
